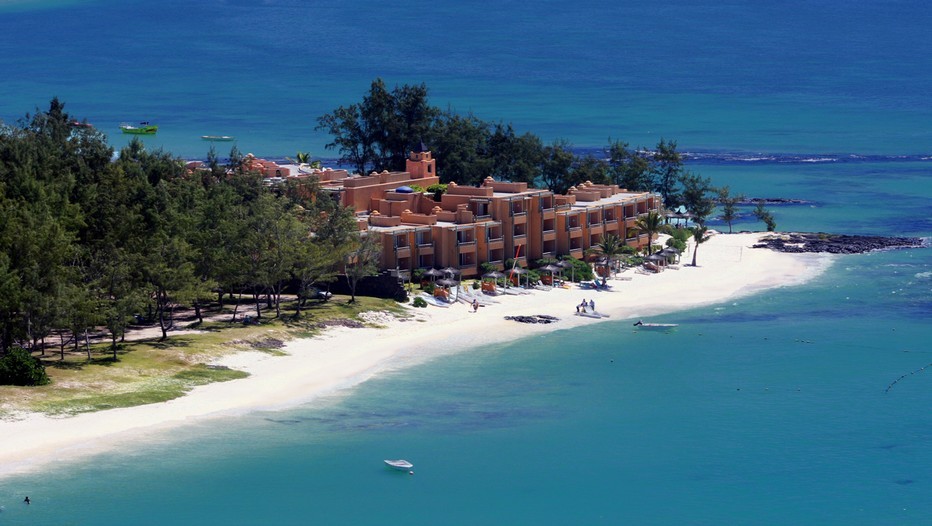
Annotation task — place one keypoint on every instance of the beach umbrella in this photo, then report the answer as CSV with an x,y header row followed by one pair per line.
x,y
493,275
552,269
656,258
451,271
446,282
519,271
432,273
670,252
567,265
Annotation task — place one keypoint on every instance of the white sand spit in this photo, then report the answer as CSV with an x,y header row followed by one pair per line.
x,y
343,357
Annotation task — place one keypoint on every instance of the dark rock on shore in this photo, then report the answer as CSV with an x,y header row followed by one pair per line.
x,y
834,243
540,318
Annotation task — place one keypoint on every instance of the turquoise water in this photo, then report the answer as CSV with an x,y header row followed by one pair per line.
x,y
771,409
767,410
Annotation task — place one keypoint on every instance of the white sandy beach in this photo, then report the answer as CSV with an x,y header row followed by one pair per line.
x,y
344,357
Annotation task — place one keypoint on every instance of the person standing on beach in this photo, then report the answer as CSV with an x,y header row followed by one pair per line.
x,y
475,305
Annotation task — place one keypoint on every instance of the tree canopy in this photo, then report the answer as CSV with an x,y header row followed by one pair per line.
x,y
109,240
377,132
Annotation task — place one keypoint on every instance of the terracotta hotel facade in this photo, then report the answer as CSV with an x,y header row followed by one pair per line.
x,y
486,224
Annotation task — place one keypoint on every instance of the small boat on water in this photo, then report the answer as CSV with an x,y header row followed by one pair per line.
x,y
642,325
400,464
80,124
218,138
144,128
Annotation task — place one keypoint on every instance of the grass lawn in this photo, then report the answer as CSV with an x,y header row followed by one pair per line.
x,y
150,371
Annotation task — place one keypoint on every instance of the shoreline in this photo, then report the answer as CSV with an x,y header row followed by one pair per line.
x,y
344,357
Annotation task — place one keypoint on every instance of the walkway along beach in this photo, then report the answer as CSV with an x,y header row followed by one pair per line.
x,y
727,268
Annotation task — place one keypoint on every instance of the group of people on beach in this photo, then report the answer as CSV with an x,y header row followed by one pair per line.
x,y
584,305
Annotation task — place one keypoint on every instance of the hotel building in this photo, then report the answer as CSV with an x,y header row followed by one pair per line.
x,y
470,226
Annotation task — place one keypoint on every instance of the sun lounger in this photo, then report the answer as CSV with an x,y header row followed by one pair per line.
x,y
468,297
436,302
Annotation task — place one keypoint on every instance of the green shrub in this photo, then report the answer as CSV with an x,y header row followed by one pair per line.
x,y
419,302
680,234
475,285
19,367
677,244
581,270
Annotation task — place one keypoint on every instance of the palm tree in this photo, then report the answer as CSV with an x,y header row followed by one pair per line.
x,y
699,235
610,247
651,224
305,158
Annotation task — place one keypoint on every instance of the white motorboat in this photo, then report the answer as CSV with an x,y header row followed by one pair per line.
x,y
399,464
642,325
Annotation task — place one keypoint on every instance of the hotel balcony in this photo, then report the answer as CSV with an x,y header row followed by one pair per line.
x,y
467,262
496,256
466,248
550,235
403,252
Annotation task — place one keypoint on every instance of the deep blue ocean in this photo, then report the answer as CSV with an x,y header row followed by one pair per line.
x,y
771,409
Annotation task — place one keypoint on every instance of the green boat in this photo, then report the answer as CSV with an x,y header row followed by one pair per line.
x,y
144,128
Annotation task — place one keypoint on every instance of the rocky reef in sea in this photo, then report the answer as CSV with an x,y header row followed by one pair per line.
x,y
834,243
